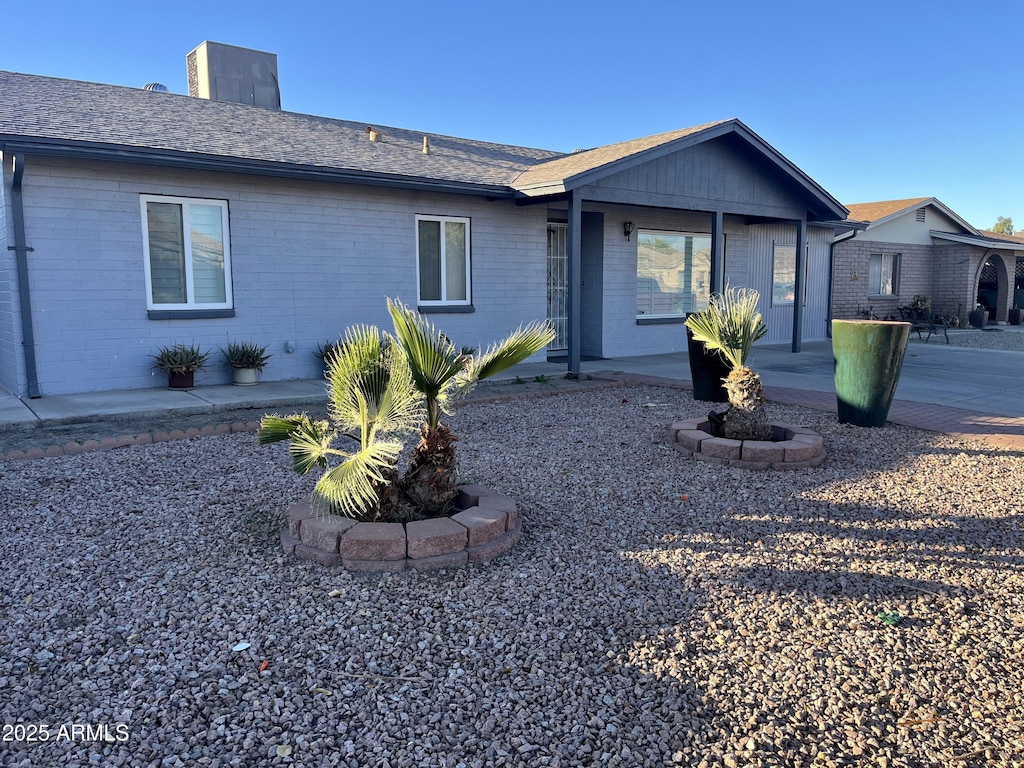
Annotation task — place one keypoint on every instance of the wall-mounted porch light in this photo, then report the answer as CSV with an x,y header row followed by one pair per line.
x,y
627,229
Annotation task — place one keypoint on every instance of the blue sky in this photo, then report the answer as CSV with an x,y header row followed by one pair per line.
x,y
875,101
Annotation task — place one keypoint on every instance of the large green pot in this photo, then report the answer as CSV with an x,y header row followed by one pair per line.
x,y
868,357
707,370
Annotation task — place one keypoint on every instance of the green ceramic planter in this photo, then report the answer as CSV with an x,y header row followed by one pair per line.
x,y
868,357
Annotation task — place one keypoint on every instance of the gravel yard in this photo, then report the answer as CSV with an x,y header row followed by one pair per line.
x,y
1006,339
658,611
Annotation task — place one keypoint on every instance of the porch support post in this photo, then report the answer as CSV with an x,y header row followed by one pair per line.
x,y
798,283
717,253
575,281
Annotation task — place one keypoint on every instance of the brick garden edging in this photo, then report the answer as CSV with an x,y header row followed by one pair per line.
x,y
74,447
486,525
792,447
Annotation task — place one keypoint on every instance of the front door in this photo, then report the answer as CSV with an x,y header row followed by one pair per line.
x,y
558,284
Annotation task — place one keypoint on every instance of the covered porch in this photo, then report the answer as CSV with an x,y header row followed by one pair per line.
x,y
643,232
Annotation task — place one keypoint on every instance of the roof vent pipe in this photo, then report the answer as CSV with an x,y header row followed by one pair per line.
x,y
426,145
373,133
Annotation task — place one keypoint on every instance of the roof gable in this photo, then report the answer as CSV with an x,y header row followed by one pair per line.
x,y
593,166
880,213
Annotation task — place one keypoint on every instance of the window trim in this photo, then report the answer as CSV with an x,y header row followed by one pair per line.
x,y
807,273
428,304
775,259
662,318
897,260
184,202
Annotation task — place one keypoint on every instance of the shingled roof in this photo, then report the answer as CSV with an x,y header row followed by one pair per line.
x,y
874,211
878,213
50,111
53,116
568,166
1015,238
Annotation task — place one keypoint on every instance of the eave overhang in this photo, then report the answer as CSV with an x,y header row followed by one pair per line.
x,y
981,242
226,164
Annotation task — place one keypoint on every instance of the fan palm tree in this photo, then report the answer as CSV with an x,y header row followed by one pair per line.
x,y
440,371
371,400
731,325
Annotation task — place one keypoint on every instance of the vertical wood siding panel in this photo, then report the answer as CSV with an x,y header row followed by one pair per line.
x,y
672,164
633,179
780,319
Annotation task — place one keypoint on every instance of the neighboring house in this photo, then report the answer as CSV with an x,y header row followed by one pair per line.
x,y
134,218
921,247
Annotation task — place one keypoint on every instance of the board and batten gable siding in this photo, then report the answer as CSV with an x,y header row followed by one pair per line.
x,y
716,173
9,304
308,260
779,319
621,336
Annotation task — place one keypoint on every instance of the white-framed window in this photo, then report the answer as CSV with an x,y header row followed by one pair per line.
x,y
783,274
884,274
187,253
673,273
442,260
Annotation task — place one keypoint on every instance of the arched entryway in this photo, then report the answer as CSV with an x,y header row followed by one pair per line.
x,y
993,287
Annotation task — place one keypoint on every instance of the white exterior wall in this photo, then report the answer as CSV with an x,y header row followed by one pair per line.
x,y
308,260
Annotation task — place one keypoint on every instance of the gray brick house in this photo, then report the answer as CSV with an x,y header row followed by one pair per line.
x,y
133,218
921,247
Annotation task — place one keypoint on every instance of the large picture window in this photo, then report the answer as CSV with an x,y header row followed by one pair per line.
x,y
442,251
187,253
673,273
884,274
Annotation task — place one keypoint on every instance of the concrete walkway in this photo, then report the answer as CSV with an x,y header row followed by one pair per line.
x,y
954,390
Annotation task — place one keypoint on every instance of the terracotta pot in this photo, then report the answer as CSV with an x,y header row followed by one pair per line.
x,y
1014,316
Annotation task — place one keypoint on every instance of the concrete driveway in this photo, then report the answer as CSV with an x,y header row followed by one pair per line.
x,y
982,380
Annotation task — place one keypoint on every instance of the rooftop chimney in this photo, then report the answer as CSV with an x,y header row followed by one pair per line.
x,y
228,73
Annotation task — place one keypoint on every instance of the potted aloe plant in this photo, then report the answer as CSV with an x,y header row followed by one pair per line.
x,y
247,359
180,362
325,350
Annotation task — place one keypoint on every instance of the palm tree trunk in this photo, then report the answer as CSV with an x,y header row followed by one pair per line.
x,y
747,417
431,482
